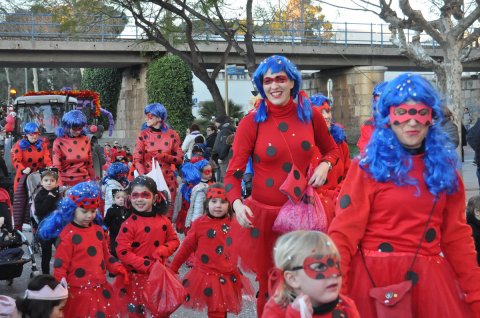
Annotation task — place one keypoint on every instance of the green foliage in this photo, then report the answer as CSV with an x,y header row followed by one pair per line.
x,y
107,82
169,82
208,111
353,150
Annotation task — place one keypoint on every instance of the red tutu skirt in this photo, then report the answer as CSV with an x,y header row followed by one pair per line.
x,y
436,294
130,297
99,301
220,292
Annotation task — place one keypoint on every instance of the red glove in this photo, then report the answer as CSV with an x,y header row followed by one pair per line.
x,y
161,253
123,271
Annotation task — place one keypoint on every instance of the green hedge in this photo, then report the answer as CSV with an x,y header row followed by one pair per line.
x,y
107,82
169,82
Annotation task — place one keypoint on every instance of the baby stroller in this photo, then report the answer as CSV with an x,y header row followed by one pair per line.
x,y
33,187
11,255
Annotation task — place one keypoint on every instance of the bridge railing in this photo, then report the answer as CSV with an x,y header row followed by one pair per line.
x,y
102,28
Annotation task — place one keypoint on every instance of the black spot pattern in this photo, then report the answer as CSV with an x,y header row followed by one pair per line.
x,y
306,145
211,233
238,174
430,235
287,166
100,314
79,272
57,263
283,127
164,227
254,232
99,235
91,251
204,258
269,182
208,292
76,239
222,280
345,201
228,187
228,241
411,275
297,191
271,151
135,244
106,294
147,229
256,158
219,250
385,247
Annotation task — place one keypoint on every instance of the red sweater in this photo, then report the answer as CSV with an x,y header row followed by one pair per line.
x,y
73,159
272,157
386,217
366,132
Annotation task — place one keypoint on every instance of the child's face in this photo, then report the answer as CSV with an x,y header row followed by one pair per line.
x,y
217,207
119,198
57,311
309,279
49,183
84,217
142,199
207,172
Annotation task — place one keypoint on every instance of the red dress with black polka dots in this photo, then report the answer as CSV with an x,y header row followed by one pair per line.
x,y
215,281
81,257
73,159
274,144
31,157
141,236
388,221
344,308
165,147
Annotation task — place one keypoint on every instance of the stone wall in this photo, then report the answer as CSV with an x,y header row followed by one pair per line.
x,y
471,95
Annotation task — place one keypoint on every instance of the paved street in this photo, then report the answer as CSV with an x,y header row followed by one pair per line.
x,y
20,284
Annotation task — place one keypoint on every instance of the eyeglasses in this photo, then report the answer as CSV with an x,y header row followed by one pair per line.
x,y
279,79
36,133
77,129
141,195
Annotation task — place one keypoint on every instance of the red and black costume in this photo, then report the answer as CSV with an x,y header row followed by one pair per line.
x,y
342,307
72,156
366,132
271,162
82,257
165,147
373,216
143,238
215,281
31,157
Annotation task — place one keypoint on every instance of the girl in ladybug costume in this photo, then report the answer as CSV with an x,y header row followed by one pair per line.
x,y
400,216
215,281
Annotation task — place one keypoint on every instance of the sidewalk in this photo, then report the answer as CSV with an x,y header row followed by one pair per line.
x,y
469,173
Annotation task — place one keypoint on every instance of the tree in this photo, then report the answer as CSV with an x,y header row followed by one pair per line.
x,y
453,29
207,112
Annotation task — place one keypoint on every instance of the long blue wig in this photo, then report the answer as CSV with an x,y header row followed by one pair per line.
x,y
191,174
385,159
51,227
278,63
30,128
115,172
158,110
377,92
73,118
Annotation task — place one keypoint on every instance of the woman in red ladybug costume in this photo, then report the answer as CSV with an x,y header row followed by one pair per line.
x,y
161,142
30,153
280,136
72,152
400,217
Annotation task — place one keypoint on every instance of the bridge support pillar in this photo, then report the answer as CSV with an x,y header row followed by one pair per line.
x,y
352,94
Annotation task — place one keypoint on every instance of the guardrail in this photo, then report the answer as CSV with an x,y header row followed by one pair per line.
x,y
103,28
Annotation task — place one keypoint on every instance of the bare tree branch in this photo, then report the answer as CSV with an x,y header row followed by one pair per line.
x,y
417,16
346,8
471,37
466,22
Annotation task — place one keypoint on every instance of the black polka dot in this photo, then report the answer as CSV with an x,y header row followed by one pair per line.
x,y
156,243
30,150
271,151
124,230
339,180
306,145
256,158
29,160
100,314
222,280
228,241
296,174
187,298
287,166
75,142
123,292
79,272
208,292
228,187
147,229
269,182
185,283
430,235
57,263
233,278
345,201
219,250
124,253
134,217
297,191
238,174
76,239
131,308
254,232
164,227
135,244
69,150
91,251
99,235
112,259
106,294
385,247
283,127
411,275
146,262
211,233
204,258
102,265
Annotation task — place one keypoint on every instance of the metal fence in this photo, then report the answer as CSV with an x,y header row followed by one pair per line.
x,y
102,28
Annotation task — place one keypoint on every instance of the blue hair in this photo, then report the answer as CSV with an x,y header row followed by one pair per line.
x,y
191,174
385,159
30,128
113,172
73,118
319,99
64,214
338,133
377,92
276,64
158,110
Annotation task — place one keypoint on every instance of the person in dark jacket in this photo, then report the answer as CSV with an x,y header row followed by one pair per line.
x,y
221,148
115,216
45,203
473,219
473,139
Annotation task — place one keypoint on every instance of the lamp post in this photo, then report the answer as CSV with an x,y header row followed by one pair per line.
x,y
226,90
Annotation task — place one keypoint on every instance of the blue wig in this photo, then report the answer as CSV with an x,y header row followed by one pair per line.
x,y
276,64
319,99
385,159
158,110
116,171
377,92
191,174
51,227
72,119
30,128
338,133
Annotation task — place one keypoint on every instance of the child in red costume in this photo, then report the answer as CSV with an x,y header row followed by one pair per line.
x,y
147,235
215,281
30,153
82,255
72,152
307,279
161,142
400,217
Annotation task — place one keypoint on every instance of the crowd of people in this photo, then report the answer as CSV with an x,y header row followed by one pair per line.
x,y
396,241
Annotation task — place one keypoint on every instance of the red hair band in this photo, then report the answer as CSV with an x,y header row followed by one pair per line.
x,y
214,193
